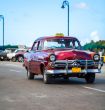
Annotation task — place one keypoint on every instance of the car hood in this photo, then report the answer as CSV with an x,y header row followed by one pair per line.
x,y
60,55
72,54
11,55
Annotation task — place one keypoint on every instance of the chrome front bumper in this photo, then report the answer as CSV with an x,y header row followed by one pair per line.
x,y
70,71
67,64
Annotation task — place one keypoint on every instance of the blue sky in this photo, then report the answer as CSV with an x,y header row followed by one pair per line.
x,y
26,20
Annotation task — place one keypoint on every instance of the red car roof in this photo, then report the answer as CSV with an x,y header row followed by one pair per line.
x,y
54,37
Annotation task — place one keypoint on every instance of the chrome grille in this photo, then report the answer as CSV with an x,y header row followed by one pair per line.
x,y
73,63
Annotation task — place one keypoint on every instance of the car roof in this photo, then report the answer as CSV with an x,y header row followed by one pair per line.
x,y
54,37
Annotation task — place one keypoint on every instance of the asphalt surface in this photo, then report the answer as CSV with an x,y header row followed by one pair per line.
x,y
19,93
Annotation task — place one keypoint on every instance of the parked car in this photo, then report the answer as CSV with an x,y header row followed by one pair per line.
x,y
11,56
19,56
3,54
61,57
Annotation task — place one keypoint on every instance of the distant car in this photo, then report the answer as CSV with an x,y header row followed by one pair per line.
x,y
19,56
11,56
59,56
3,54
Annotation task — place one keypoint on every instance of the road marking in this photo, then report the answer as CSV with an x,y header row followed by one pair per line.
x,y
15,71
39,95
99,90
8,99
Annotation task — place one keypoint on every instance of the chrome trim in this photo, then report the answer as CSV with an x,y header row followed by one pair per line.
x,y
70,71
66,66
64,61
75,63
86,66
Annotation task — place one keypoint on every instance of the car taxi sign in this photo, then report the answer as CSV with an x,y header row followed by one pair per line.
x,y
59,35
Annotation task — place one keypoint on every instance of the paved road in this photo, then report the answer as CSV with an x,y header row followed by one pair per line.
x,y
18,93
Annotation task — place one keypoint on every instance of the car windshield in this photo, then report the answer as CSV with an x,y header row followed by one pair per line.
x,y
16,51
62,43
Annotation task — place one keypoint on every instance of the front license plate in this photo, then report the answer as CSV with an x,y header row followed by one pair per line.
x,y
76,70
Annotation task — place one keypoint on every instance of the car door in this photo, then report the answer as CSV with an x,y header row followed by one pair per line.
x,y
35,61
39,55
33,58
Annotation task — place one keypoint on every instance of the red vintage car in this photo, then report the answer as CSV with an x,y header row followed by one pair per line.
x,y
61,57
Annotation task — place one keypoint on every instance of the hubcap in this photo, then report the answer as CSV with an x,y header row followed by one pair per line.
x,y
20,59
13,59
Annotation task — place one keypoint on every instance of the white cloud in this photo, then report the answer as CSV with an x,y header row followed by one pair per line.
x,y
95,36
81,5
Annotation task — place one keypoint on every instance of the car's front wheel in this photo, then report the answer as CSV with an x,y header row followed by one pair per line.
x,y
30,75
90,78
46,77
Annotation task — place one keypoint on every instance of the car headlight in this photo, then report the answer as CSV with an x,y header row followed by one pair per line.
x,y
96,57
52,57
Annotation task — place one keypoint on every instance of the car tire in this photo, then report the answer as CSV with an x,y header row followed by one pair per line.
x,y
90,78
1,59
30,75
46,77
13,59
20,58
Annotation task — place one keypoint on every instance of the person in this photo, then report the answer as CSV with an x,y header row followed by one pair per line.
x,y
101,54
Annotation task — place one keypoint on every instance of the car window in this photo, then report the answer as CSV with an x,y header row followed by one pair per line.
x,y
40,45
34,48
61,43
16,51
76,44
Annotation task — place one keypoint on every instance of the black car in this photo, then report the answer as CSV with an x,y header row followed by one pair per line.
x,y
3,54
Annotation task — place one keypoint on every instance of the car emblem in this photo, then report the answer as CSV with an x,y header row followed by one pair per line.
x,y
75,64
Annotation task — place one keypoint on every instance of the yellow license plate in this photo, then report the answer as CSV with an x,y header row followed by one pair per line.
x,y
76,70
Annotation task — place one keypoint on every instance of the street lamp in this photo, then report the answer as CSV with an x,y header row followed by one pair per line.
x,y
2,17
66,3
